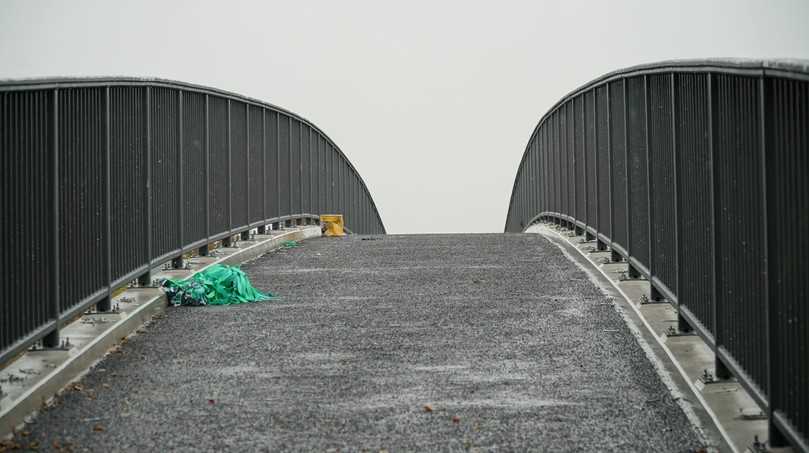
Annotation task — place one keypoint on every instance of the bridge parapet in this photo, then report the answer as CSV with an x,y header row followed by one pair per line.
x,y
104,179
695,173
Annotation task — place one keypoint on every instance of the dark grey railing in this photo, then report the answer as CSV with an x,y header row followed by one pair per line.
x,y
696,173
103,179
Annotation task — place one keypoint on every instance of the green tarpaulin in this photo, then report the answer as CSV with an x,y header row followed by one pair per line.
x,y
217,285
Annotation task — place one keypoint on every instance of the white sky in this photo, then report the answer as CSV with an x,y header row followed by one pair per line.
x,y
432,101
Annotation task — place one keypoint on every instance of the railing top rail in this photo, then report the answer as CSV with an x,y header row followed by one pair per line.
x,y
47,83
793,68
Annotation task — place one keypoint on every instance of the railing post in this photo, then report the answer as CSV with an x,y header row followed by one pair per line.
x,y
105,304
609,169
649,209
721,371
230,175
145,278
682,324
177,262
247,165
51,340
776,437
628,219
263,228
204,249
276,225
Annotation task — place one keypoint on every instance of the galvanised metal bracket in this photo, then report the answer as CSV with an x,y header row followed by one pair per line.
x,y
645,300
64,345
673,332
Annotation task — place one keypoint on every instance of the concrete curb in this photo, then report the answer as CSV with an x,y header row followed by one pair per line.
x,y
37,376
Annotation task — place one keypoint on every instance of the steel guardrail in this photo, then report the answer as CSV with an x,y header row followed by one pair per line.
x,y
695,173
106,178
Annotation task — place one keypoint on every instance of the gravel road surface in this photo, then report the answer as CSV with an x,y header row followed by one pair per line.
x,y
397,343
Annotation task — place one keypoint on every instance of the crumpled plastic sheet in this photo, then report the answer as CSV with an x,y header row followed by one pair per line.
x,y
219,284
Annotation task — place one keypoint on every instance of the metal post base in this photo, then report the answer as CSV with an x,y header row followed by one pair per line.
x,y
145,279
721,371
104,305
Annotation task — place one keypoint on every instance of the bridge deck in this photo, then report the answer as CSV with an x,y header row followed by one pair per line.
x,y
507,341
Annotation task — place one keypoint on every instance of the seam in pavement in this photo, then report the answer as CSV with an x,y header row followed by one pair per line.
x,y
656,362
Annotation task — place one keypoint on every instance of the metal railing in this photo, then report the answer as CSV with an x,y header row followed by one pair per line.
x,y
104,179
695,172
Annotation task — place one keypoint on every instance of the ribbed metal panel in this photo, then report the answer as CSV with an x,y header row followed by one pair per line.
x,y
271,128
787,164
295,132
238,165
544,175
165,146
532,166
553,162
694,203
590,161
564,173
581,202
284,168
620,233
26,165
740,224
82,192
256,168
662,183
321,175
128,196
193,187
603,160
306,179
571,157
557,163
332,176
219,171
638,183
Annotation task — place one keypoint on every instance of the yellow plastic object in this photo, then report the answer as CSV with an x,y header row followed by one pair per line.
x,y
332,224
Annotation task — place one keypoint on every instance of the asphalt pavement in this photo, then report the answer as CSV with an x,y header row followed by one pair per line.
x,y
396,343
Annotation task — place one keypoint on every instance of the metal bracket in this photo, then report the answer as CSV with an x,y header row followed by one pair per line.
x,y
673,332
757,446
64,345
644,300
708,378
625,277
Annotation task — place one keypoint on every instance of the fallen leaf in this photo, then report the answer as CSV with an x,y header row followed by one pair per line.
x,y
211,402
77,387
34,445
428,408
456,419
98,428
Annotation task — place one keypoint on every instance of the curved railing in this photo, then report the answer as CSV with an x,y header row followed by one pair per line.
x,y
696,173
103,179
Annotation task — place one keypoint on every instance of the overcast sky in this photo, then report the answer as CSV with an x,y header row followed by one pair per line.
x,y
433,102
